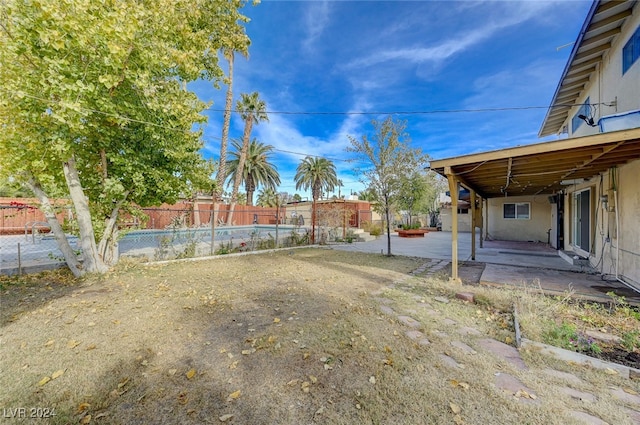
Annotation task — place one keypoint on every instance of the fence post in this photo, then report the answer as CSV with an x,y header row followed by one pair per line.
x,y
19,261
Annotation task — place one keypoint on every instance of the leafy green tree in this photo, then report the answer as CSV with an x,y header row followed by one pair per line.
x,y
258,170
390,159
253,111
317,174
412,194
94,106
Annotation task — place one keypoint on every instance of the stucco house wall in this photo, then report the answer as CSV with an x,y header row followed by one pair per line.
x,y
615,227
609,90
535,228
446,218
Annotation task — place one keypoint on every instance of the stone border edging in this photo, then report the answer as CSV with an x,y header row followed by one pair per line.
x,y
566,355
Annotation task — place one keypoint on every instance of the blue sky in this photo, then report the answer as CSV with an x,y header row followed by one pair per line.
x,y
354,57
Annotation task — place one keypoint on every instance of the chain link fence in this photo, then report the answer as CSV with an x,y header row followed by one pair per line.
x,y
178,231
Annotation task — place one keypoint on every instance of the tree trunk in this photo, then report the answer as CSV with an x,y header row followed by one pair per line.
x,y
222,168
388,218
92,260
313,221
250,187
108,246
63,243
240,170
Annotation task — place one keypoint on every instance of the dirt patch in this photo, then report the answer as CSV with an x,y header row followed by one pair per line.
x,y
293,337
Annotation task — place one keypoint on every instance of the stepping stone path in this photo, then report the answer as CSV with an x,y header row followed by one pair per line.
x,y
504,383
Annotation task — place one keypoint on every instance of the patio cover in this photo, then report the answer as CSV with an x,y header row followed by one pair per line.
x,y
537,169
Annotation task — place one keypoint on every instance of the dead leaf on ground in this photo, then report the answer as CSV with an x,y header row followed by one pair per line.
x,y
57,374
72,343
455,408
43,381
183,398
82,407
190,373
234,395
85,420
225,418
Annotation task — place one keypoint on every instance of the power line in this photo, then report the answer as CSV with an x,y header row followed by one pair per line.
x,y
423,112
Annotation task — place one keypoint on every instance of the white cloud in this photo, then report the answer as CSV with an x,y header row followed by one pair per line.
x,y
315,21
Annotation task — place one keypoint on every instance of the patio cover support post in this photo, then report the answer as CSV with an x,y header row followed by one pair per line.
x,y
453,191
473,224
480,222
486,218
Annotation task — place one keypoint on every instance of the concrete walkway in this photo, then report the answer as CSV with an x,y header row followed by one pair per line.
x,y
507,263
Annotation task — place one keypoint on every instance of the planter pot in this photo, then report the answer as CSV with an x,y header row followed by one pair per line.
x,y
412,233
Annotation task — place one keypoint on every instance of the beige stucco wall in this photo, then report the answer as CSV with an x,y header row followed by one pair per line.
x,y
464,220
609,85
533,229
607,243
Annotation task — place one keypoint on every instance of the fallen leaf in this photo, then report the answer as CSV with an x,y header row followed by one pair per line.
x,y
233,365
82,407
123,382
305,356
372,380
91,347
293,382
320,411
72,343
234,395
49,343
455,408
57,374
191,373
610,371
85,420
457,419
305,386
43,381
463,385
172,372
101,415
276,320
630,391
183,398
313,379
225,418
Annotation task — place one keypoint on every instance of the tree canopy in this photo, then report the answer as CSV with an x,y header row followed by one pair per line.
x,y
94,105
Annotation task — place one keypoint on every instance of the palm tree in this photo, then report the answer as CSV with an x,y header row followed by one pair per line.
x,y
267,197
252,110
258,171
317,174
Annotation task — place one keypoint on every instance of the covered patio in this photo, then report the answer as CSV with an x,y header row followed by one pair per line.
x,y
539,169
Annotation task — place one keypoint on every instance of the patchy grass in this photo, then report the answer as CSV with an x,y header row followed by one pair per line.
x,y
292,337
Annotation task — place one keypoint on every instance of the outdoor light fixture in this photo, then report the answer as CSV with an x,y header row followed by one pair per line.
x,y
570,182
588,120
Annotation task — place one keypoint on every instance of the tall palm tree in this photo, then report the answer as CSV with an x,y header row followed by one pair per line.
x,y
257,171
317,174
252,110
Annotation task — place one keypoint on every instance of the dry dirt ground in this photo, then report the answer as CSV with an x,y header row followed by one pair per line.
x,y
289,337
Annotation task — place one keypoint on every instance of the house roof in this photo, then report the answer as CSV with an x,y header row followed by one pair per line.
x,y
600,28
540,168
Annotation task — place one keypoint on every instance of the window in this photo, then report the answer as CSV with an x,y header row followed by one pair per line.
x,y
518,211
631,51
585,110
463,211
